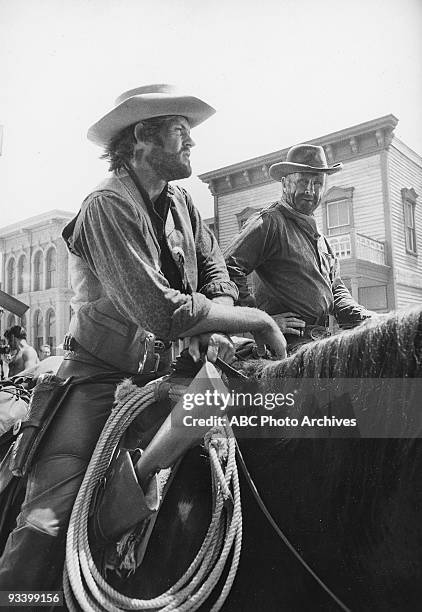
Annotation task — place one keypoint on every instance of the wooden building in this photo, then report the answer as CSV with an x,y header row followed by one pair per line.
x,y
371,212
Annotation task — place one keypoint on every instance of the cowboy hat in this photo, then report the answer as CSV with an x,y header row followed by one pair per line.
x,y
144,103
303,158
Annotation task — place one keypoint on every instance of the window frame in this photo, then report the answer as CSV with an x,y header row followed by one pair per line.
x,y
344,201
11,276
51,272
409,197
38,274
334,195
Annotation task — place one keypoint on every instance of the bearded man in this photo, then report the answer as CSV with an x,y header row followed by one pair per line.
x,y
143,265
297,277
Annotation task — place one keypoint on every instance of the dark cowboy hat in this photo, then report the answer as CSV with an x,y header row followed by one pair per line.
x,y
303,158
144,103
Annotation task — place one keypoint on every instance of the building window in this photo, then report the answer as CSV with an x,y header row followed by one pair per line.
x,y
337,210
51,330
11,276
51,269
38,331
338,214
11,321
21,274
409,197
38,271
373,298
409,219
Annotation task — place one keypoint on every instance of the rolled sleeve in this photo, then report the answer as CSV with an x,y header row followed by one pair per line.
x,y
115,240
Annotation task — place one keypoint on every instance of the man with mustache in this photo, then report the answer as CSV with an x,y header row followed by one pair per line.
x,y
296,273
145,271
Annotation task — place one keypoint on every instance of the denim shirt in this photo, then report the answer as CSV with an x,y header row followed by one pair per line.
x,y
121,293
295,268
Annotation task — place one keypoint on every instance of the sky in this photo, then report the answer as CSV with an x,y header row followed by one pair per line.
x,y
278,72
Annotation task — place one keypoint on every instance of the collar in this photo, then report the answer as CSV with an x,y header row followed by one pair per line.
x,y
306,221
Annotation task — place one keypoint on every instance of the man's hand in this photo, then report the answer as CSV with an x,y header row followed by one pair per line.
x,y
213,345
273,338
289,323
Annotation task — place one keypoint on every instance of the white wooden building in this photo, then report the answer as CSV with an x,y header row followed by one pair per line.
x,y
371,212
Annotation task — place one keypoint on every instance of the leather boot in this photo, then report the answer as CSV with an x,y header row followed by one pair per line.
x,y
32,560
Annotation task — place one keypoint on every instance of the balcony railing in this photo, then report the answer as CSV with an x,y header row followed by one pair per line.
x,y
358,246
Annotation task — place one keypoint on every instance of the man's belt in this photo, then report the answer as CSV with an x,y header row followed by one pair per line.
x,y
154,348
308,333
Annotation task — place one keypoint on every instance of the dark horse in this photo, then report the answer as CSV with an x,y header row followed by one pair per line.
x,y
351,505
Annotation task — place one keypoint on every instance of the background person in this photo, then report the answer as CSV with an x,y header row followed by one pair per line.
x,y
45,351
297,276
22,355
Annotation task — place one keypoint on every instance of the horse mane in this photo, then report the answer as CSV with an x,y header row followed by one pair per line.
x,y
370,373
388,346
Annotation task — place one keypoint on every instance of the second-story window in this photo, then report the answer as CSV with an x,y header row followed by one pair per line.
x,y
338,214
21,274
409,197
410,226
337,211
11,276
38,271
51,268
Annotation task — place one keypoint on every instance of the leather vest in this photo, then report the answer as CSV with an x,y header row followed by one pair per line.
x,y
96,324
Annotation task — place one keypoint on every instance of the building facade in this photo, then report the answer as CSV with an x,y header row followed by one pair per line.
x,y
35,271
371,212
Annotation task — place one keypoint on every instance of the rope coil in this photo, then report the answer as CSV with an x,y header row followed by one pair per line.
x,y
82,581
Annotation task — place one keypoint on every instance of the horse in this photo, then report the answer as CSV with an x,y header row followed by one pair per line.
x,y
348,505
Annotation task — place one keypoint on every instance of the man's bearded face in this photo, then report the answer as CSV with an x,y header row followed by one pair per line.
x,y
171,158
304,190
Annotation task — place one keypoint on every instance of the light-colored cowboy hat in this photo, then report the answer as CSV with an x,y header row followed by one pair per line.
x,y
303,158
144,103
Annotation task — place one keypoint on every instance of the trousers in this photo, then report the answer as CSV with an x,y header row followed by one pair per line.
x,y
34,554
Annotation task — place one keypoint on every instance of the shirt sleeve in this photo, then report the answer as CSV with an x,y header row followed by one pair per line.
x,y
213,278
114,239
248,251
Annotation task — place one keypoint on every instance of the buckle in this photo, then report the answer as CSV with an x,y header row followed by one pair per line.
x,y
318,332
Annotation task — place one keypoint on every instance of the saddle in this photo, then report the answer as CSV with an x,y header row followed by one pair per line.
x,y
133,487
